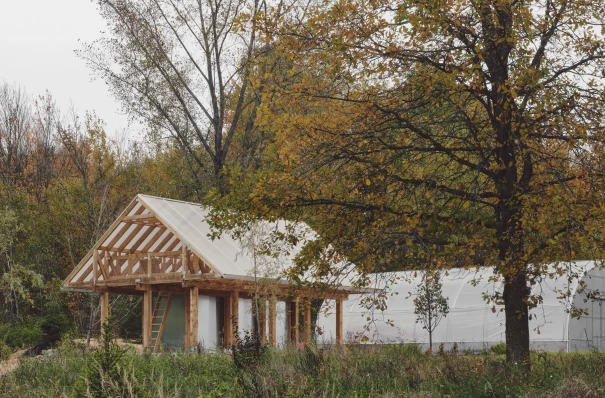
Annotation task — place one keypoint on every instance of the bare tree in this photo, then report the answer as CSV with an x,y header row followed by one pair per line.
x,y
182,67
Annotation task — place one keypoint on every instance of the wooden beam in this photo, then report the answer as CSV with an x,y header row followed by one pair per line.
x,y
185,258
187,320
147,314
104,299
293,335
154,279
273,321
155,238
121,231
142,238
234,316
106,235
95,266
339,322
164,241
261,318
307,322
128,238
117,290
138,217
196,264
227,325
144,255
193,303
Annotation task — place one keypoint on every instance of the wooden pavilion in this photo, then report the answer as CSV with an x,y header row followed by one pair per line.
x,y
160,248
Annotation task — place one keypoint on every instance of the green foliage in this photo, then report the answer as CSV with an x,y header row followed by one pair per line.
x,y
103,373
248,351
248,355
385,371
25,333
412,349
55,322
430,306
498,349
5,351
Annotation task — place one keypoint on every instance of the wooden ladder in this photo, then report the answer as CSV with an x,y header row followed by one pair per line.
x,y
158,320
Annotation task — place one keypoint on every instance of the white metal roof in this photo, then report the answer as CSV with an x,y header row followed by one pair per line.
x,y
186,223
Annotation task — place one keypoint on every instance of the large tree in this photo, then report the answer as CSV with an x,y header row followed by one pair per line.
x,y
182,68
461,132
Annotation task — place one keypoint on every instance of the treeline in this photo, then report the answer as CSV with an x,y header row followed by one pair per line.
x,y
63,180
409,135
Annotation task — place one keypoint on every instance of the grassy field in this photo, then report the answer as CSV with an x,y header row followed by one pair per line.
x,y
393,371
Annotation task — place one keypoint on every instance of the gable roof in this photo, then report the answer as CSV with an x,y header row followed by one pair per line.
x,y
158,225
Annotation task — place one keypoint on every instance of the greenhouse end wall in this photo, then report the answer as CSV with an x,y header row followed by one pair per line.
x,y
472,324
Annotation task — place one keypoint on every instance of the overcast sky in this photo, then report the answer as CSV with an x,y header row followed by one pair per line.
x,y
37,43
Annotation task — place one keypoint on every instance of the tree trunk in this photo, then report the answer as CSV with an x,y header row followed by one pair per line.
x,y
517,320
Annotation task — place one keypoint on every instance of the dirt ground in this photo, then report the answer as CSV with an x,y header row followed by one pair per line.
x,y
12,363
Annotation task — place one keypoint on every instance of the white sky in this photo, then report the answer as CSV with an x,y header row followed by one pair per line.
x,y
37,43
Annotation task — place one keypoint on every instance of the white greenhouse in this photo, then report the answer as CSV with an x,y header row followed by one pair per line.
x,y
473,324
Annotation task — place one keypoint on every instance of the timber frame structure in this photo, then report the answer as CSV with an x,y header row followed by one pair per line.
x,y
159,247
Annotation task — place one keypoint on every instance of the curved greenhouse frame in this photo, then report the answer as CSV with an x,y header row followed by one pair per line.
x,y
474,324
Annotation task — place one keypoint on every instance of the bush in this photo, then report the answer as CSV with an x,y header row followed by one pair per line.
x,y
498,349
103,374
22,334
412,349
54,323
5,351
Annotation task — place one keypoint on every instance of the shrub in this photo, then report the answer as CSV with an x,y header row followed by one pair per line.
x,y
498,349
22,334
5,351
54,323
248,351
412,349
103,374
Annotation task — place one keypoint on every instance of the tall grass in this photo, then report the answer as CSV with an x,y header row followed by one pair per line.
x,y
386,372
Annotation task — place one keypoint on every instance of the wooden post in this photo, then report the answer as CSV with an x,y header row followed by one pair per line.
x,y
184,259
147,314
95,266
307,323
227,325
294,322
148,264
193,316
261,317
339,322
187,320
234,316
104,309
273,321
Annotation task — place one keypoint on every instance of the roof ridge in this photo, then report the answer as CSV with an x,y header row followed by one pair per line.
x,y
172,200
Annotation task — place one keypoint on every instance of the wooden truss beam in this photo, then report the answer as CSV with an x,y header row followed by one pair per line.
x,y
140,217
145,255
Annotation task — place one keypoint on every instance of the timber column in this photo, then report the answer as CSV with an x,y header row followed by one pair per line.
x,y
273,321
293,335
193,316
231,319
147,314
104,310
307,322
339,322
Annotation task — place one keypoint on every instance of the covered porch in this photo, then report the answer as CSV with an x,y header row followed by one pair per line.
x,y
160,249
